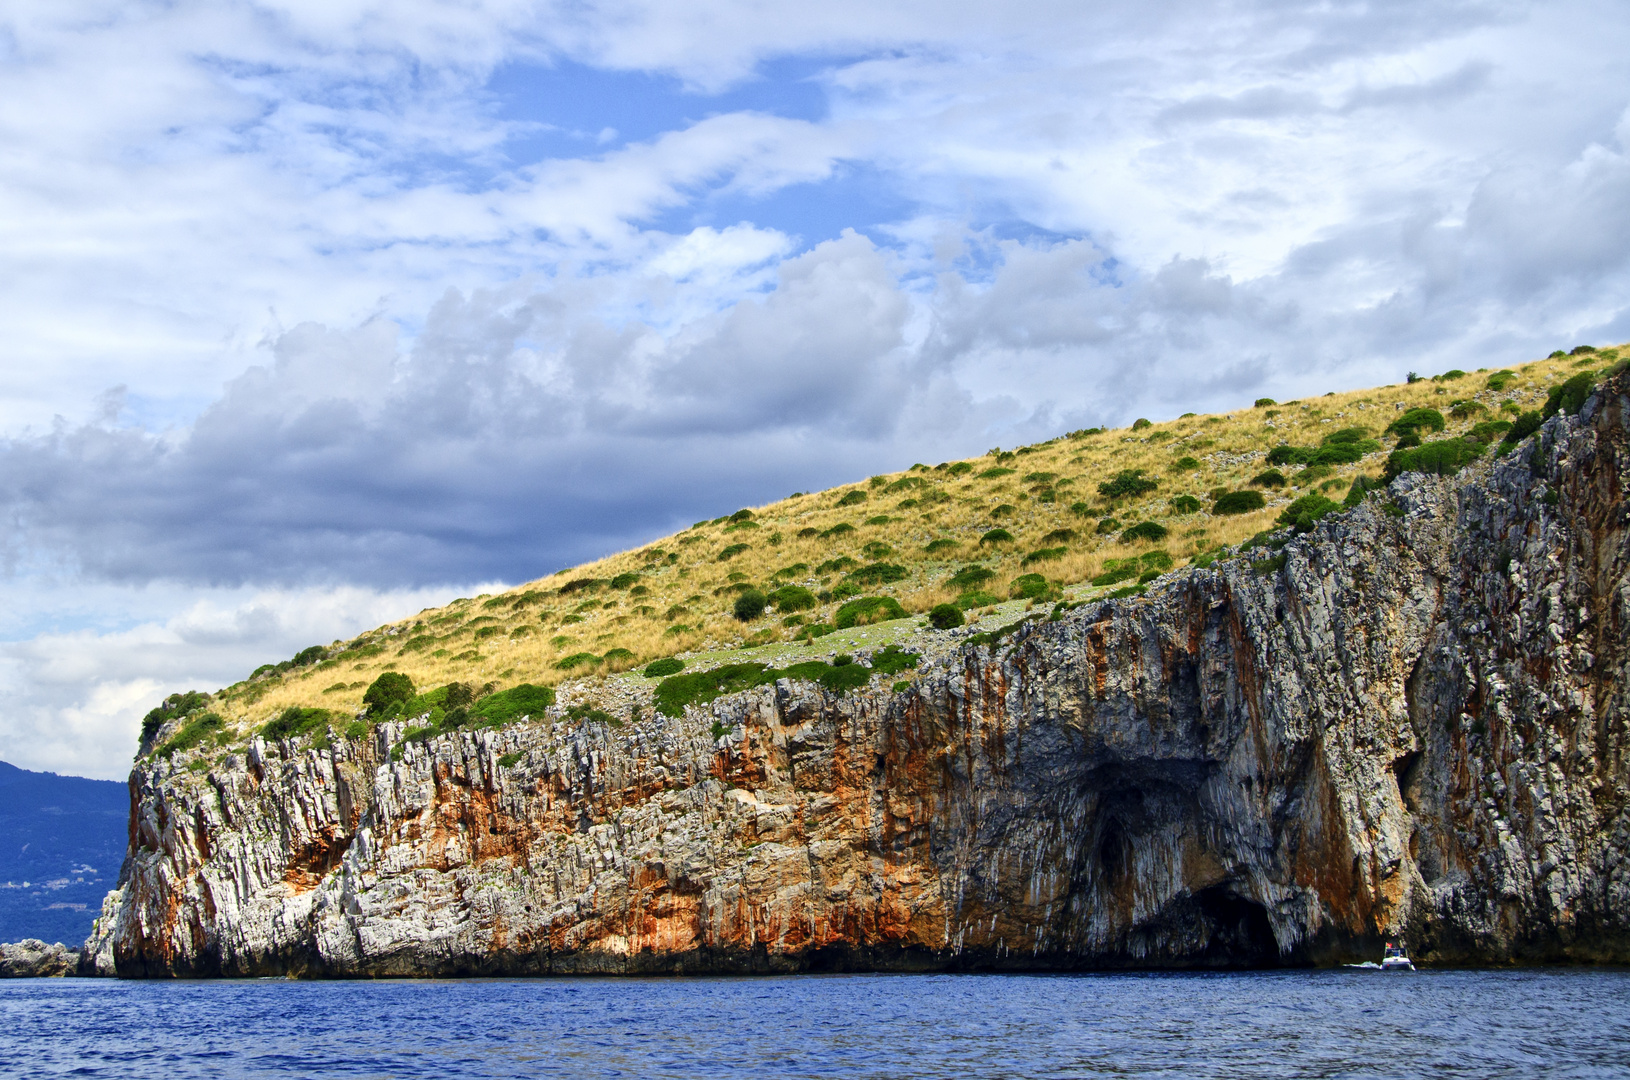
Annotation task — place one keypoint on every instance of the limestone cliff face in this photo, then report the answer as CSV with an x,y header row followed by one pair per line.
x,y
1415,726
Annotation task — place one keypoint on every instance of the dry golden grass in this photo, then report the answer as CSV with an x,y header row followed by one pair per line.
x,y
521,635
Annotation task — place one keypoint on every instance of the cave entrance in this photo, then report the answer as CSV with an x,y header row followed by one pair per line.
x,y
1241,935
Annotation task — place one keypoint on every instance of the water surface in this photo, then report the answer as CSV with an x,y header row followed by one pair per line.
x,y
1559,1023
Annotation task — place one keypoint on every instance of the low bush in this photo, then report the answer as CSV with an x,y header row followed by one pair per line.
x,y
742,515
877,573
877,549
171,707
1525,425
1145,530
1489,430
970,577
996,536
835,566
192,733
936,546
1142,422
1186,504
1264,402
668,665
699,688
944,616
577,660
625,581
976,598
1569,397
618,659
995,471
1414,421
1039,477
1444,457
1128,483
1107,526
807,532
793,598
294,721
1465,410
867,610
1059,536
960,468
514,703
1305,511
1239,502
1045,554
853,498
389,692
1346,435
842,528
880,519
1030,587
1004,510
1156,560
1081,509
1185,464
1499,380
1117,570
1343,453
732,551
792,571
1449,376
749,605
1269,478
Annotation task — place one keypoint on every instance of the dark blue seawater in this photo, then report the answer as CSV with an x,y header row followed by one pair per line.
x,y
1554,1023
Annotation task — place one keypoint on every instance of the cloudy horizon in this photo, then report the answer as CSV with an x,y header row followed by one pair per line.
x,y
319,314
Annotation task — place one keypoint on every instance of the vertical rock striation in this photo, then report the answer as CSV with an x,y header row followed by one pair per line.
x,y
1414,726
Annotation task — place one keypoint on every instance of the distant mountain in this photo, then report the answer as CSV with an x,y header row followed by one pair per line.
x,y
62,839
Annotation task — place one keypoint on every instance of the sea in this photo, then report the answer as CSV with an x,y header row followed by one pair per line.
x,y
1342,1023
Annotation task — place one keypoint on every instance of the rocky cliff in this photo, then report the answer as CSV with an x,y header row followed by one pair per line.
x,y
1413,724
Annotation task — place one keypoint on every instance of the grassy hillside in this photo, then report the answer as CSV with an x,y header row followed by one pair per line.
x,y
1081,515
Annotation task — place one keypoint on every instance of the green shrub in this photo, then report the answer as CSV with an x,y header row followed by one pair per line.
x,y
577,660
1059,536
944,616
976,598
1407,440
749,605
1415,420
617,656
1500,380
625,581
1465,410
1286,454
876,549
1145,530
906,482
193,732
1239,502
843,590
1155,560
1569,397
1142,422
668,665
1269,478
1525,425
995,471
936,546
1444,457
996,536
1004,510
1270,565
879,573
1039,477
1028,587
732,551
1186,504
1264,402
842,528
1081,509
173,706
512,704
892,660
1346,435
834,566
1045,554
960,468
1488,430
1449,376
1580,350
742,515
853,498
580,585
970,577
1305,511
487,632
295,721
793,598
508,761
1116,570
1185,464
1344,453
1107,526
388,692
880,519
1128,483
867,610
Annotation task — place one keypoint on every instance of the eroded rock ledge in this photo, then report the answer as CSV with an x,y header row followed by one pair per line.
x,y
1416,726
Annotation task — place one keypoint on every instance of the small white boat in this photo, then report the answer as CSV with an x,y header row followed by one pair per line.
x,y
1396,959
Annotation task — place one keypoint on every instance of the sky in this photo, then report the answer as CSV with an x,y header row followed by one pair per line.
x,y
316,313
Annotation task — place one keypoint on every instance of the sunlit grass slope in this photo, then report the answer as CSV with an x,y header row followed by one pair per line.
x,y
1037,522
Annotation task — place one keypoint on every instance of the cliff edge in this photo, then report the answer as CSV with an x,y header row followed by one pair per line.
x,y
1409,722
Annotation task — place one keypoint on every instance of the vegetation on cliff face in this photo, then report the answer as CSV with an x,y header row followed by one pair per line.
x,y
1054,522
